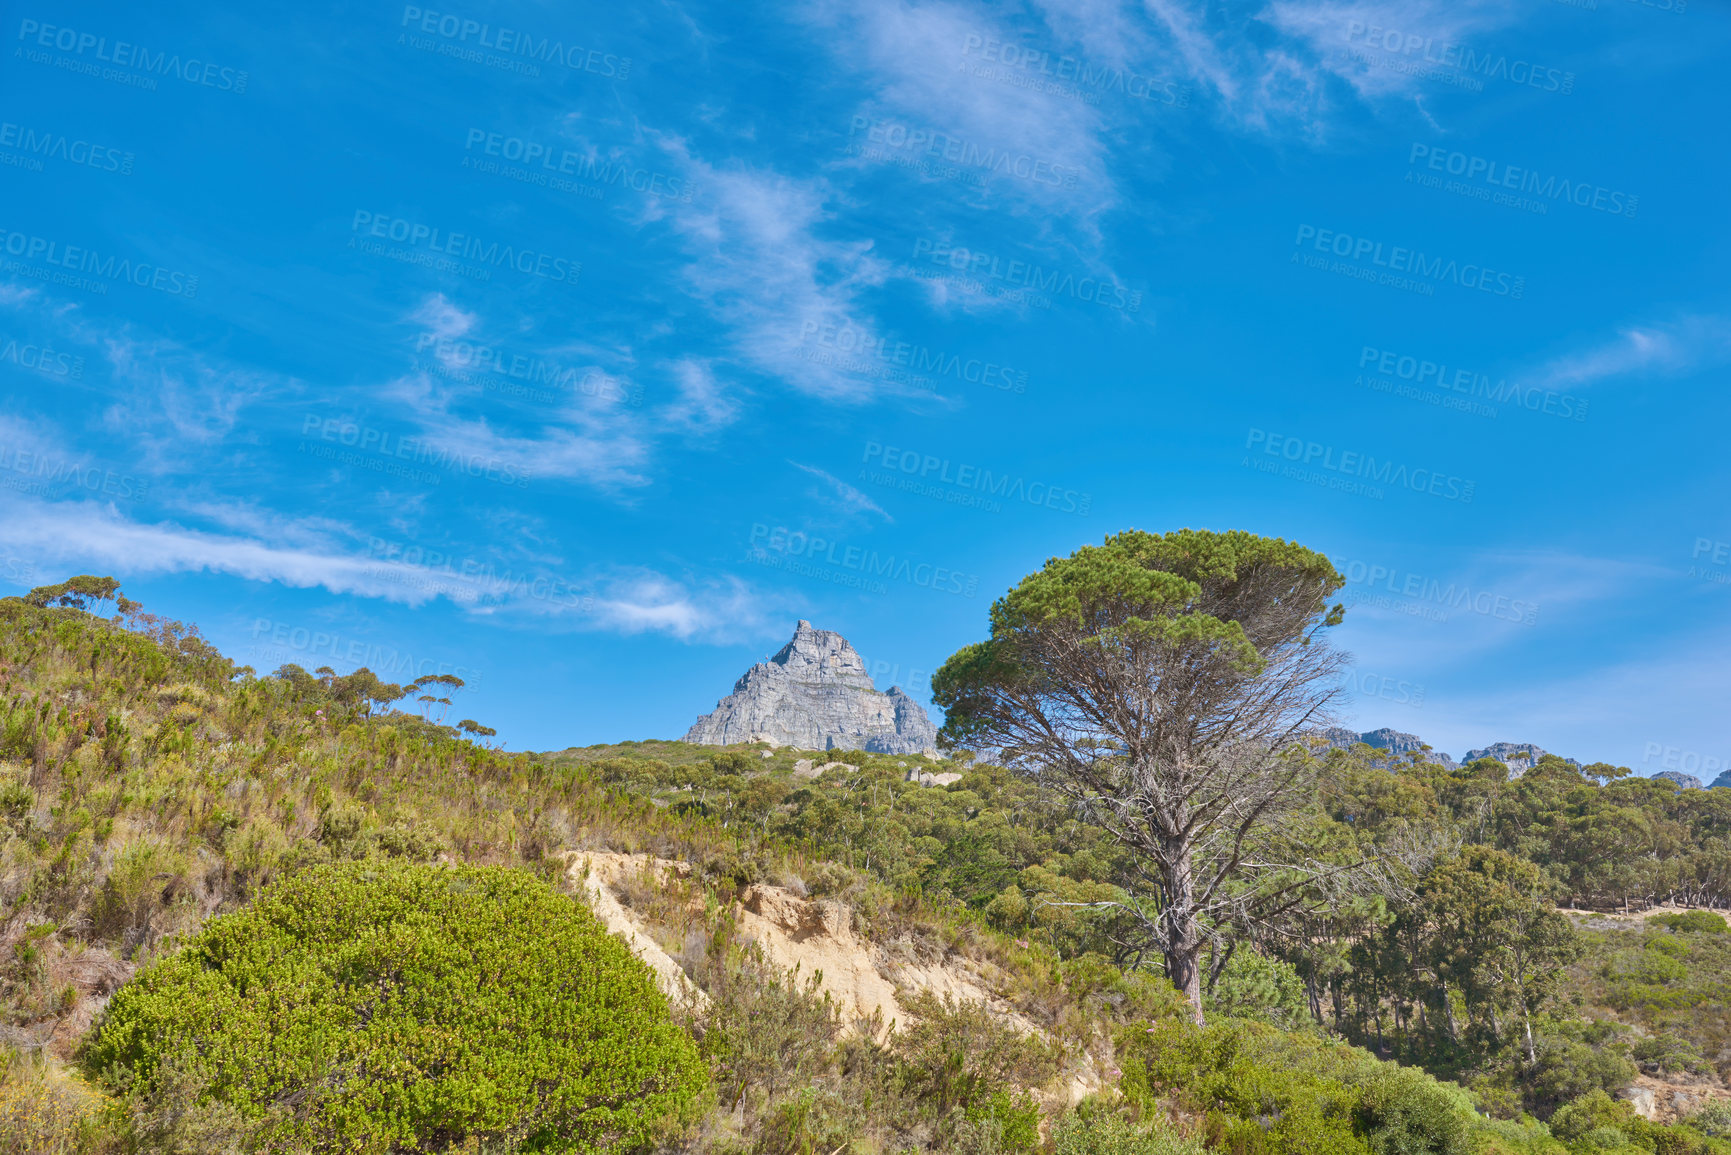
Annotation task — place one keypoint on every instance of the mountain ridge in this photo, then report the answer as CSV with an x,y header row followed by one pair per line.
x,y
815,694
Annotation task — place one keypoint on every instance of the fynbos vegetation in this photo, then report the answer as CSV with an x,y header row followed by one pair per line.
x,y
276,913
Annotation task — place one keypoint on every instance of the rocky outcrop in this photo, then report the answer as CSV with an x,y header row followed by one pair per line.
x,y
1679,779
1519,757
1395,742
816,695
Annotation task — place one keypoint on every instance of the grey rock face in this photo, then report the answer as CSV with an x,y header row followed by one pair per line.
x,y
1519,757
1341,738
816,695
1394,741
1679,779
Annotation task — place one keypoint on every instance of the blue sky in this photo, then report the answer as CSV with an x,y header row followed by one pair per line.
x,y
580,351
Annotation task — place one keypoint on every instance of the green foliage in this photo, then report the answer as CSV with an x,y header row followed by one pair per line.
x,y
1714,1119
371,1007
1255,986
1696,921
1595,1120
144,780
1262,1090
1134,594
1667,1053
962,1056
1093,1130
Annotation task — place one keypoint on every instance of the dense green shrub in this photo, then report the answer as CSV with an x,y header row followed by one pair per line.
x,y
385,1006
1093,1130
1698,921
1714,1118
1593,1119
1404,1111
1254,986
1264,1090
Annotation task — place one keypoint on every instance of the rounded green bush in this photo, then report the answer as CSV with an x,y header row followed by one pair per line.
x,y
390,1006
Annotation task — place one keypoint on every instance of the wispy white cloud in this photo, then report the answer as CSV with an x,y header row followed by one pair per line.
x,y
632,601
87,536
1379,48
703,405
591,436
442,319
762,266
841,496
170,402
577,442
1681,346
928,71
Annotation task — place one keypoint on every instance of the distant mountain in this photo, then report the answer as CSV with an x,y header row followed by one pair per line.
x,y
1681,780
1519,757
815,694
1396,742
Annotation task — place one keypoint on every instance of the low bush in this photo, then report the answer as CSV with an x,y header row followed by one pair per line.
x,y
1697,921
385,1005
1093,1130
45,1111
1263,1090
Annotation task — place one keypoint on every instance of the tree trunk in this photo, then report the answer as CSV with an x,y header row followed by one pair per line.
x,y
1527,1023
1182,966
1183,945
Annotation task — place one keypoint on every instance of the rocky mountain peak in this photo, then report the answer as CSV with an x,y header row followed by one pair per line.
x,y
815,694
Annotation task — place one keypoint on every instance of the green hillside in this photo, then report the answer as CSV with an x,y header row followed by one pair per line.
x,y
148,786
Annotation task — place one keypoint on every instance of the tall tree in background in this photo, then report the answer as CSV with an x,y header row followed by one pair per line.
x,y
1162,684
